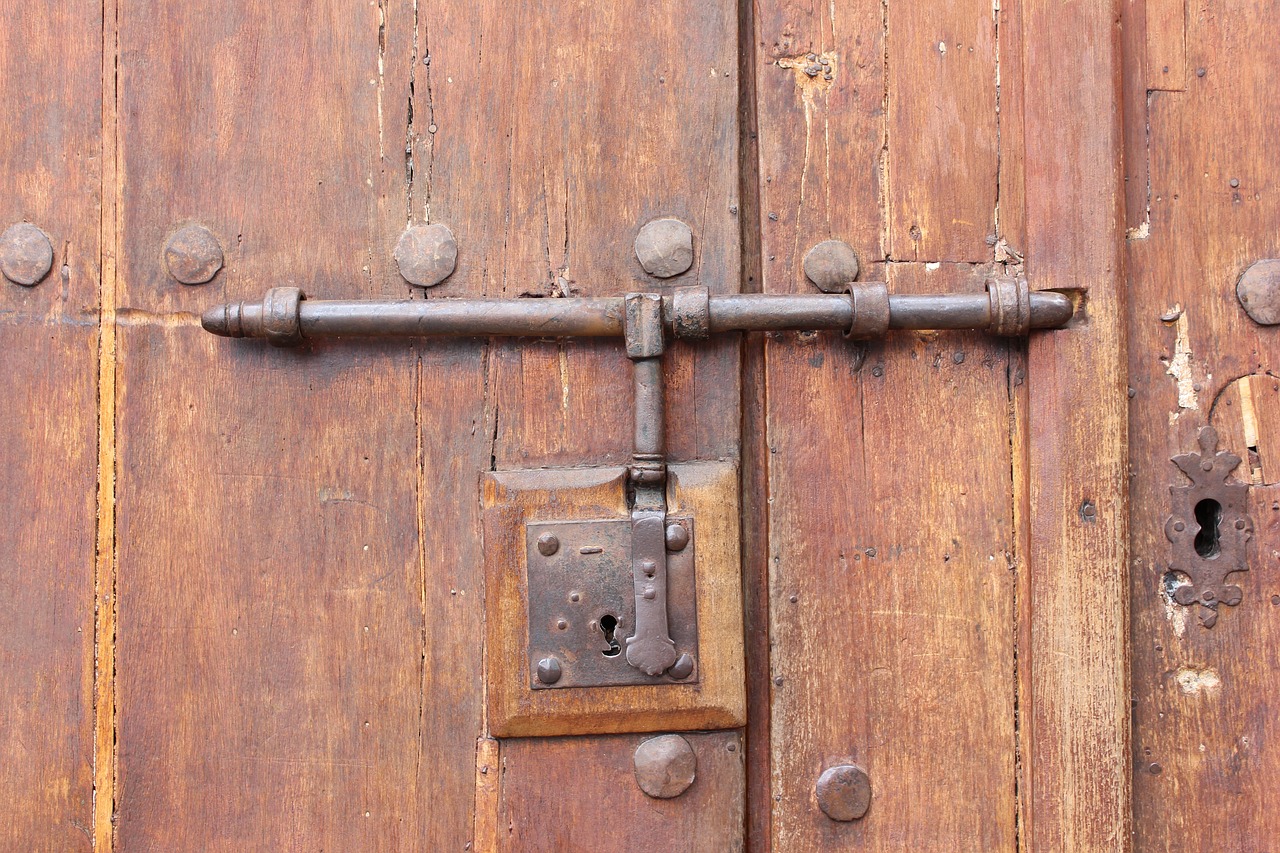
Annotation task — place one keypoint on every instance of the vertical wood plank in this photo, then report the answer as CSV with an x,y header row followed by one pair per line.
x,y
892,582
1204,759
50,171
286,518
1075,735
942,130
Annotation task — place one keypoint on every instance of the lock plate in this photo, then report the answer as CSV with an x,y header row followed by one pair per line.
x,y
582,603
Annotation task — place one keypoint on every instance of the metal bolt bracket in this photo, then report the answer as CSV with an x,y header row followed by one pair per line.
x,y
193,255
426,254
665,766
843,792
26,255
664,248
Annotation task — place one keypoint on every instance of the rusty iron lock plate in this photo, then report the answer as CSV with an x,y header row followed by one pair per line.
x,y
582,607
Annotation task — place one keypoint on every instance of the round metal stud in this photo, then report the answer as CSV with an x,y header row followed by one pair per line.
x,y
26,255
664,247
843,792
1259,292
193,255
832,265
549,670
665,766
426,254
677,537
548,544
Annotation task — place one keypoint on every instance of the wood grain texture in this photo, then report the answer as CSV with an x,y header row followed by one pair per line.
x,y
1074,737
892,582
706,491
1204,758
50,171
597,805
943,145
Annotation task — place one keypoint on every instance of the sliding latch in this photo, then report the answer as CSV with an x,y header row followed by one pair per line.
x,y
573,605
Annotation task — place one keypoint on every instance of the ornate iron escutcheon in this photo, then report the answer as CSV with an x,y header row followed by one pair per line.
x,y
600,639
1210,528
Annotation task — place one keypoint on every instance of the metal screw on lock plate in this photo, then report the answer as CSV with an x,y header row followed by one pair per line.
x,y
426,254
26,255
665,766
664,247
193,255
843,792
549,670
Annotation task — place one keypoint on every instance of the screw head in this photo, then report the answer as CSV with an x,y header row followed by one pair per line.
x,y
26,255
549,670
193,255
426,254
665,766
682,668
843,792
548,544
832,265
677,537
664,247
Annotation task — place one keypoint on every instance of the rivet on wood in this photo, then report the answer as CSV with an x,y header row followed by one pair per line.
x,y
832,265
26,255
426,254
664,247
665,766
1259,292
843,792
193,255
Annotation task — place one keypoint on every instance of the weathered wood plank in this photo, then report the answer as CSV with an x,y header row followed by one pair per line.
x,y
892,584
1074,737
1205,763
596,804
50,171
942,140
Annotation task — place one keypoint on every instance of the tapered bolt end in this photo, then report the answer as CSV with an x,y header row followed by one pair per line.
x,y
226,320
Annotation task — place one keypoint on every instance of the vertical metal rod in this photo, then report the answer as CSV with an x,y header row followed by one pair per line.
x,y
650,442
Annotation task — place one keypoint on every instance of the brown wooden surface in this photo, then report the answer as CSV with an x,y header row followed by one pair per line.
x,y
1204,759
707,492
596,804
1075,734
50,172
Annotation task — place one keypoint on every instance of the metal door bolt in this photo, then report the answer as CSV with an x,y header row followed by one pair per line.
x,y
843,792
193,255
665,766
426,254
26,255
664,247
832,265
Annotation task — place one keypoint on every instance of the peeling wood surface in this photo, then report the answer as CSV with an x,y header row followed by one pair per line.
x,y
50,171
1204,762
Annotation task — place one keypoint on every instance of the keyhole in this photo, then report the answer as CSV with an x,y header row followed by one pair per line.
x,y
609,624
1208,516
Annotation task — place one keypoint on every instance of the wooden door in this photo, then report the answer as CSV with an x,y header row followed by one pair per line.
x,y
255,600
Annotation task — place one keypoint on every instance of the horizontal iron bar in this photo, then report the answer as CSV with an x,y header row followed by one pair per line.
x,y
600,316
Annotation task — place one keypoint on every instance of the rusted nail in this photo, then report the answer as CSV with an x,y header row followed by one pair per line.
x,y
682,668
549,671
426,254
665,766
664,247
1259,292
193,255
677,537
832,265
1235,182
548,544
26,255
843,792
